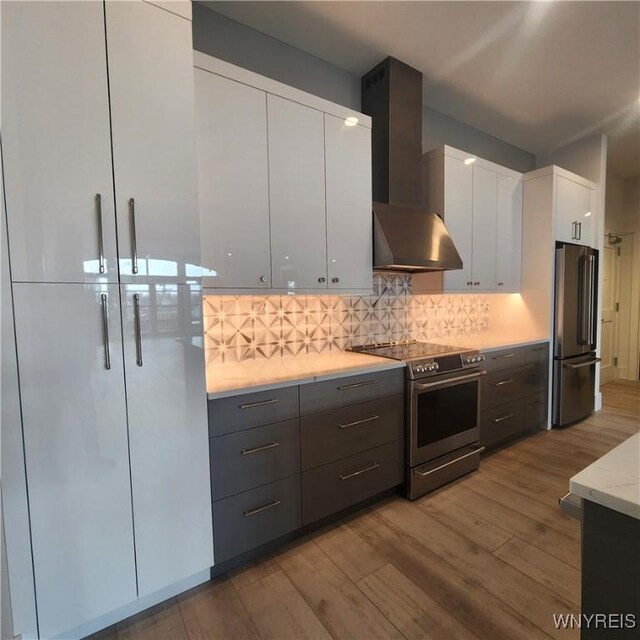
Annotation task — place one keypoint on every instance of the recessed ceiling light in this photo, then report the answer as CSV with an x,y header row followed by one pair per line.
x,y
586,215
470,160
351,121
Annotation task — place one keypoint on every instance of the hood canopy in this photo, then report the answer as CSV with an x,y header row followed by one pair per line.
x,y
411,239
406,236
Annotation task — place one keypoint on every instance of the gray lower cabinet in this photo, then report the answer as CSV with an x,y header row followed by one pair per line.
x,y
255,517
514,393
336,486
241,461
332,435
288,457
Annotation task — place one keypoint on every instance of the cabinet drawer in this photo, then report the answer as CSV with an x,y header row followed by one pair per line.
x,y
501,387
250,458
504,359
501,423
335,486
332,435
255,517
535,411
236,413
537,354
332,394
534,378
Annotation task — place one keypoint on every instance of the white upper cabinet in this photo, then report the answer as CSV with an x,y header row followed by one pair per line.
x,y
509,234
69,345
481,204
574,211
456,205
484,220
297,195
233,182
168,432
349,219
152,107
56,142
285,186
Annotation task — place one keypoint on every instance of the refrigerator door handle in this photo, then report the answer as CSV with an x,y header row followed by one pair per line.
x,y
586,313
589,363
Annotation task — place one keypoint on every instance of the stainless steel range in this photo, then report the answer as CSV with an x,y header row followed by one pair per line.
x,y
442,410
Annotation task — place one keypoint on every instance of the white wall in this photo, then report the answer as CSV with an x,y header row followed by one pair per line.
x,y
221,37
587,158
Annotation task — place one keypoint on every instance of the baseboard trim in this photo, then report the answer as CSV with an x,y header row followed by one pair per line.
x,y
139,605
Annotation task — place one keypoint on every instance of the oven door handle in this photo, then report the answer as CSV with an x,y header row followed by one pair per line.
x,y
442,383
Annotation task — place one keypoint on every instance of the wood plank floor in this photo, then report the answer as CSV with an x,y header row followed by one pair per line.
x,y
487,557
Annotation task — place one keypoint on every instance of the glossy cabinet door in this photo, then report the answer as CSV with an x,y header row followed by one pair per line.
x,y
509,234
231,125
297,195
458,211
574,212
76,451
485,206
56,142
154,158
349,205
168,433
15,506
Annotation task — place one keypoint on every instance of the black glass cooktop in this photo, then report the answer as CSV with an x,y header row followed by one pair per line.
x,y
407,350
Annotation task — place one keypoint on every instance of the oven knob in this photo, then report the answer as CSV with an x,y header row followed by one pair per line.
x,y
419,368
436,366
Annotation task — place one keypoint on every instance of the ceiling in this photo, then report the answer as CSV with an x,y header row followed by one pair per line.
x,y
536,74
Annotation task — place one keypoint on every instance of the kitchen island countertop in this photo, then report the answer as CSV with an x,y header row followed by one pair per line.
x,y
613,480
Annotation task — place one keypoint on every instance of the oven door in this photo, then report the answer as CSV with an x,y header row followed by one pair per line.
x,y
444,415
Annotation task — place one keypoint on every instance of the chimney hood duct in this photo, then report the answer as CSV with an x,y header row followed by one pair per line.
x,y
406,237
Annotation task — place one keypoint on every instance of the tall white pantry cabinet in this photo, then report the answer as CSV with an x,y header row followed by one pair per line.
x,y
102,216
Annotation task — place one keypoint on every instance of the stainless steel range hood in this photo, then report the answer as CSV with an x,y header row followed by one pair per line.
x,y
406,237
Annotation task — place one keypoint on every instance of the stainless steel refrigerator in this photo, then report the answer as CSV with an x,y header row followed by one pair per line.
x,y
575,324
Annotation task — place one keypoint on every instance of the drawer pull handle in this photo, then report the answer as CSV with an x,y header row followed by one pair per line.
x,y
504,417
261,403
357,422
366,383
264,507
539,348
371,467
501,382
504,357
263,447
423,474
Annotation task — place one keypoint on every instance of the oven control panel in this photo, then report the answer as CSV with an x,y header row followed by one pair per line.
x,y
473,358
421,367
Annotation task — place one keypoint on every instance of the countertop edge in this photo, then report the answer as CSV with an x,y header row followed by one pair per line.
x,y
384,365
587,485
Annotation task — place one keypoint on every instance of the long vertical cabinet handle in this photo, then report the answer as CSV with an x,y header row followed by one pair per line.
x,y
100,233
579,230
573,230
591,267
136,321
105,331
134,238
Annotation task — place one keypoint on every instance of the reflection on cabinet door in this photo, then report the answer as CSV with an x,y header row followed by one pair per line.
x,y
349,217
56,142
297,195
458,207
485,194
151,88
509,234
166,399
234,182
75,431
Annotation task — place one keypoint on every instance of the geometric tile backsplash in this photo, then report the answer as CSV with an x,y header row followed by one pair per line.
x,y
251,327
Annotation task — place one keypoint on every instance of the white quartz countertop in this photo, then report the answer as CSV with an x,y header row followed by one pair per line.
x,y
234,378
490,342
613,481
